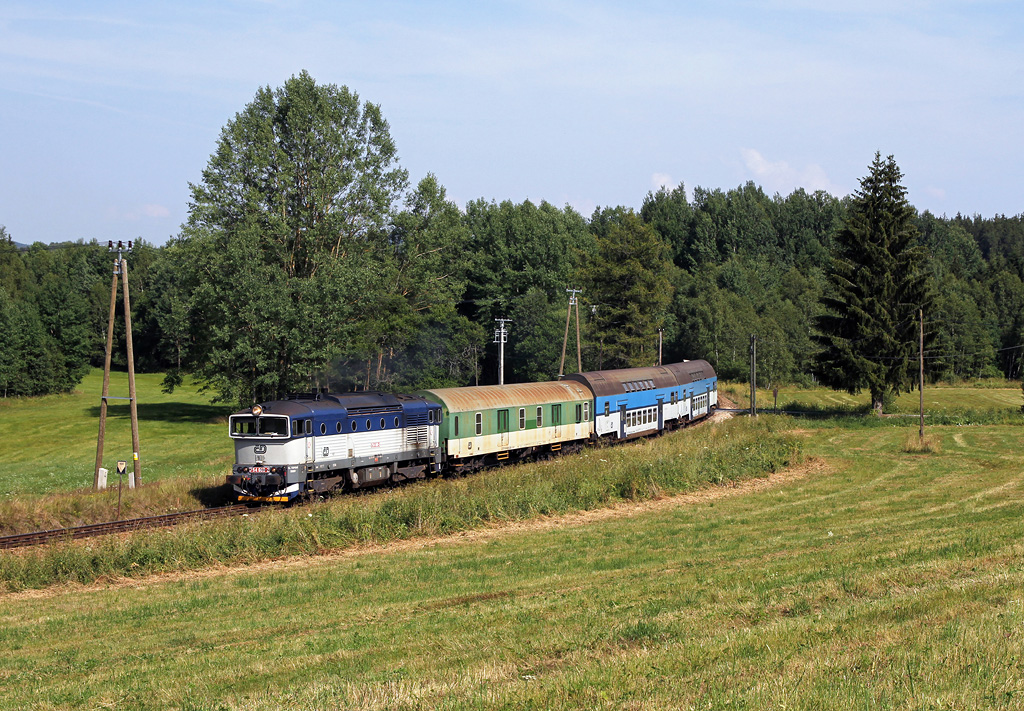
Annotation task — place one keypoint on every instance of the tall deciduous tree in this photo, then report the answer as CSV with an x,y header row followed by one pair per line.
x,y
878,281
284,236
628,281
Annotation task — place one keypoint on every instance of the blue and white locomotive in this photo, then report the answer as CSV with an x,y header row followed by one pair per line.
x,y
312,443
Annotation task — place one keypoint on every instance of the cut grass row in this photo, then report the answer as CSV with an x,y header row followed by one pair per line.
x,y
884,580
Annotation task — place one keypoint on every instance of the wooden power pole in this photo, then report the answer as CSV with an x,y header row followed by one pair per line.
x,y
120,269
573,301
920,352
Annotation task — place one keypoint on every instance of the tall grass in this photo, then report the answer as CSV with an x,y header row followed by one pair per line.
x,y
597,477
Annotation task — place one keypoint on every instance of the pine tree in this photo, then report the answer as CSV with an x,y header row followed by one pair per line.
x,y
878,283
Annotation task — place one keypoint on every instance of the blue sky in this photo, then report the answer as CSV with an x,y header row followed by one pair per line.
x,y
109,109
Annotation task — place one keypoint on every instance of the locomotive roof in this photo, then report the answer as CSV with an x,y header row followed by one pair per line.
x,y
364,402
613,382
489,397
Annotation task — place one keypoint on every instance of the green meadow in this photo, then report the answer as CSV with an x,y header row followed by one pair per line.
x,y
992,396
51,440
49,453
869,577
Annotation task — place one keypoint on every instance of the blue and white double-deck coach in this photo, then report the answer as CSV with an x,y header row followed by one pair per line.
x,y
640,401
312,443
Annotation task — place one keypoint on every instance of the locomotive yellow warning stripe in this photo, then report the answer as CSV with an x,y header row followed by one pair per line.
x,y
262,498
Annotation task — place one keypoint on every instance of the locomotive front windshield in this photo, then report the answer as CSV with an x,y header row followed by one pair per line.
x,y
266,426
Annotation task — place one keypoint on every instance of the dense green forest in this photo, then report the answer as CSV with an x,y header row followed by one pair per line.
x,y
309,260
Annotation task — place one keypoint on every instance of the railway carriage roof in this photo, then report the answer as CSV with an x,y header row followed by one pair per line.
x,y
490,397
614,382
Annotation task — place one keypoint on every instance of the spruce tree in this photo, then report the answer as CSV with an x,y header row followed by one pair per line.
x,y
878,283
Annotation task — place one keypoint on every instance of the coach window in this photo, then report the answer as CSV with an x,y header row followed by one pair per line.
x,y
456,425
586,412
323,428
522,418
579,413
607,408
479,423
540,416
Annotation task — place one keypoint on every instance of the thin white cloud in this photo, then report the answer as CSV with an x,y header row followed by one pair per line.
x,y
662,180
781,177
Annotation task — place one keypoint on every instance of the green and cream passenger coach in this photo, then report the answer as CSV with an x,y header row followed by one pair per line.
x,y
495,423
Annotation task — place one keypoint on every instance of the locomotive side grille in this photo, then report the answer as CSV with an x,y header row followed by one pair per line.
x,y
416,436
416,419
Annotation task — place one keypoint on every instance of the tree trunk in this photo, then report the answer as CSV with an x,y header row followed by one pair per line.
x,y
877,402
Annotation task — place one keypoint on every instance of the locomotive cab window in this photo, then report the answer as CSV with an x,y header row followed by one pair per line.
x,y
297,428
309,426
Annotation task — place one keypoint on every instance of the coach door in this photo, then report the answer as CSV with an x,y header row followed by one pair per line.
x,y
556,420
503,429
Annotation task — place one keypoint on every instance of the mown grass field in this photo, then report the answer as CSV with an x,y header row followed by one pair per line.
x,y
49,452
50,442
984,395
875,579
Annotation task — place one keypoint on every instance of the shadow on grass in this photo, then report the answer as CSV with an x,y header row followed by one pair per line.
x,y
167,412
215,495
802,409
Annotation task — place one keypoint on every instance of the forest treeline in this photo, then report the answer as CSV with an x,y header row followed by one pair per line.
x,y
710,270
309,260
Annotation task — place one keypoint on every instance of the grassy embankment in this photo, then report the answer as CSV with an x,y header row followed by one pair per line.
x,y
593,479
879,579
46,471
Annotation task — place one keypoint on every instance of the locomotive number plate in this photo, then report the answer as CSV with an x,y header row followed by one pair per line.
x,y
259,470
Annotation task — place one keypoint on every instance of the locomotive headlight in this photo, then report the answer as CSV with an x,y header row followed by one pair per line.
x,y
257,410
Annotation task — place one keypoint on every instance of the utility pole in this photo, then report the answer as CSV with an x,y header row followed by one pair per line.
x,y
500,337
120,269
660,339
573,301
920,352
753,375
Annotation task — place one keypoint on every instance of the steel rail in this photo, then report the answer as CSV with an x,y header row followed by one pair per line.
x,y
35,538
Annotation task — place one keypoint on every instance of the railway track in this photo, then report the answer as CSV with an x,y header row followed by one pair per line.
x,y
25,540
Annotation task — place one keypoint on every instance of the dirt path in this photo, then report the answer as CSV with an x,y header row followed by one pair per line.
x,y
582,518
